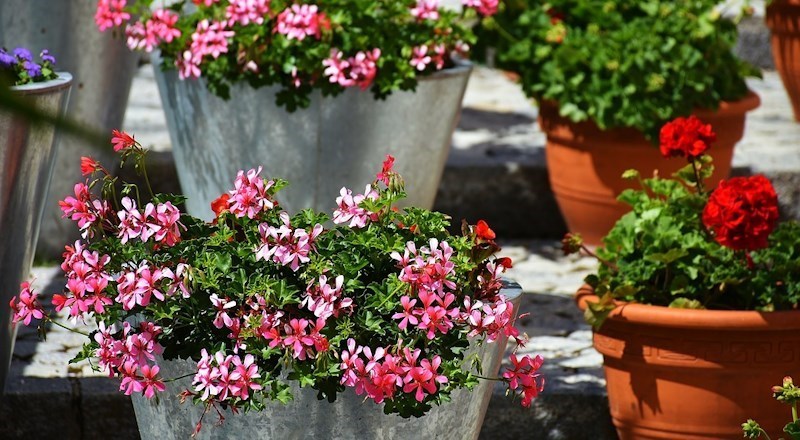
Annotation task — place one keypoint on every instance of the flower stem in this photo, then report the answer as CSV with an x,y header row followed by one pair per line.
x,y
698,181
53,321
178,378
609,264
498,379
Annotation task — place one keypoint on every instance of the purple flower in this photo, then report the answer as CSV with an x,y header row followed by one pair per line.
x,y
6,60
46,57
33,69
23,54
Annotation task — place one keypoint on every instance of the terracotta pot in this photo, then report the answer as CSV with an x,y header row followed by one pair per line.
x,y
695,374
783,19
585,163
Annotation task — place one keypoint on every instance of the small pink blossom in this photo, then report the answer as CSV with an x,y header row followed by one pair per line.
x,y
88,212
222,305
407,316
286,246
110,13
167,218
349,209
150,381
420,58
299,21
359,70
187,66
209,38
250,194
524,374
485,8
121,140
327,301
159,28
27,307
426,10
130,221
245,12
298,339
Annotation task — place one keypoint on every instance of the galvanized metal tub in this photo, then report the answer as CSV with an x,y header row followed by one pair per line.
x,y
27,156
103,69
349,417
337,141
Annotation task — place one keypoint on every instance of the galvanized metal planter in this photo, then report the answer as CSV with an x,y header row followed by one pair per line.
x,y
103,68
349,417
27,154
339,141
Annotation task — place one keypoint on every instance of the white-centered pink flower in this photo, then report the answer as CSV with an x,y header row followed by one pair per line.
x,y
245,12
420,58
426,10
300,21
250,194
359,70
209,39
350,209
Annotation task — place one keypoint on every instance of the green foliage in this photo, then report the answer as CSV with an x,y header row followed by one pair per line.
x,y
789,394
296,67
660,253
624,63
218,259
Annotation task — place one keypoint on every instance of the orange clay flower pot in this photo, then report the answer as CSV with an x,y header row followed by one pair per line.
x,y
585,163
783,20
694,374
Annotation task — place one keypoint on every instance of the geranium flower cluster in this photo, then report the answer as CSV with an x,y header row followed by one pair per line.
x,y
376,303
21,67
688,246
322,44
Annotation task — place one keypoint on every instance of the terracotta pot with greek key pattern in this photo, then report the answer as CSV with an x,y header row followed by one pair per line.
x,y
694,374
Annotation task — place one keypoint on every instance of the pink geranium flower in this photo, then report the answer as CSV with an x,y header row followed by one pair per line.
x,y
426,10
299,21
524,374
349,209
27,307
245,12
110,13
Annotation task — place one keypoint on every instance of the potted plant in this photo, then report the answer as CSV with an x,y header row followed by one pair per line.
x,y
27,151
783,20
103,69
321,87
695,302
257,305
788,393
606,76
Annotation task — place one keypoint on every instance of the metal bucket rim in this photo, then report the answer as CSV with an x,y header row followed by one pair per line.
x,y
64,81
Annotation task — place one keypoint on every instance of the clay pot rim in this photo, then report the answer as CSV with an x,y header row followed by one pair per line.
x,y
660,316
549,109
784,2
748,102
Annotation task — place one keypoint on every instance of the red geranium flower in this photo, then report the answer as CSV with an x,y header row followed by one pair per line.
x,y
121,140
220,204
742,212
88,165
484,232
687,137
